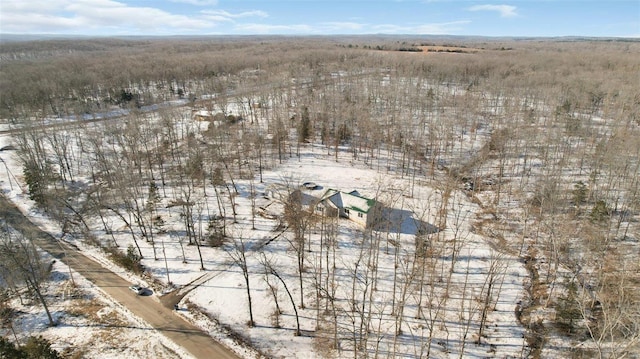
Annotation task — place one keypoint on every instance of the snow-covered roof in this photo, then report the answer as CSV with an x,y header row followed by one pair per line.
x,y
352,201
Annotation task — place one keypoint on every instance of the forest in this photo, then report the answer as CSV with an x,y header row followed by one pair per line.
x,y
509,170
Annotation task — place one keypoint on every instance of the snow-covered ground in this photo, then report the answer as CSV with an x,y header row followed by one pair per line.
x,y
225,299
89,323
379,300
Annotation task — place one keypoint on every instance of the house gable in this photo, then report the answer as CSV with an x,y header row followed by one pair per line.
x,y
352,200
348,203
357,203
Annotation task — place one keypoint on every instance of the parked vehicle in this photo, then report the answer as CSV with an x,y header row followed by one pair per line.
x,y
137,289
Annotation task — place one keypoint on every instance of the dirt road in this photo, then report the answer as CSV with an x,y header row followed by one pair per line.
x,y
163,319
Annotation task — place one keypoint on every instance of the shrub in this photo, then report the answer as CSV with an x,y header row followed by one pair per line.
x,y
579,193
600,211
8,350
40,348
36,182
35,348
568,310
215,232
130,261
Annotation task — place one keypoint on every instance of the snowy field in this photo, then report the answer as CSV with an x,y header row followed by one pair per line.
x,y
362,290
453,315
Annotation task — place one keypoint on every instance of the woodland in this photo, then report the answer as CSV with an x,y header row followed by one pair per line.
x,y
116,137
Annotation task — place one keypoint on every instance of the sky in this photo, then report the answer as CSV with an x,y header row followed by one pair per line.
x,y
598,18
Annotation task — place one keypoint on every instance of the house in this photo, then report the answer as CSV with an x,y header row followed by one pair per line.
x,y
352,205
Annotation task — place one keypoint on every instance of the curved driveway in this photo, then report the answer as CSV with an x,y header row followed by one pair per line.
x,y
191,338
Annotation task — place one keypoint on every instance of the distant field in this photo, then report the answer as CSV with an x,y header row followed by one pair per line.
x,y
432,49
444,48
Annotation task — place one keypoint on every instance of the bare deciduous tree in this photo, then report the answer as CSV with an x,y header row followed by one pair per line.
x,y
22,263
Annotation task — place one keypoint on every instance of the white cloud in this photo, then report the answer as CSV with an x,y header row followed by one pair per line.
x,y
111,13
257,13
444,28
275,29
225,16
116,17
198,2
352,28
342,26
95,17
504,10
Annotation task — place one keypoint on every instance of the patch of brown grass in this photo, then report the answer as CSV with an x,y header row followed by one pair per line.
x,y
90,308
85,308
